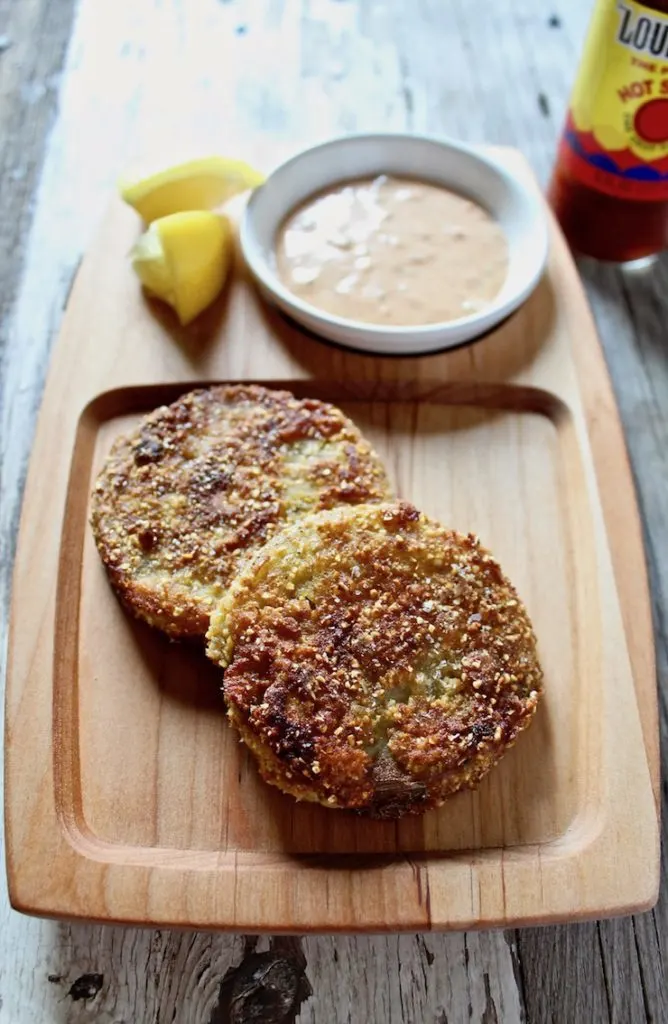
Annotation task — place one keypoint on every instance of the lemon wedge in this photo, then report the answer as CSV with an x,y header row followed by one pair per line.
x,y
195,185
184,259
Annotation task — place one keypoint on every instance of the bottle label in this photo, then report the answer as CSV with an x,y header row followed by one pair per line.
x,y
616,135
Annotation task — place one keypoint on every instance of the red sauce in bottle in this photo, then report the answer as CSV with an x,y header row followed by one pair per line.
x,y
610,185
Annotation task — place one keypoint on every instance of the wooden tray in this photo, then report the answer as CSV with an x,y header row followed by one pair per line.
x,y
127,796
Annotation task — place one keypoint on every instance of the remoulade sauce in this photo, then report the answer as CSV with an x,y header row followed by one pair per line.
x,y
392,251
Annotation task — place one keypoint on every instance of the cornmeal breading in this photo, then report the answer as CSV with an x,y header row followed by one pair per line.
x,y
202,483
375,660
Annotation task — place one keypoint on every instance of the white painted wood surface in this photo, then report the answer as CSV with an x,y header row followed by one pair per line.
x,y
297,71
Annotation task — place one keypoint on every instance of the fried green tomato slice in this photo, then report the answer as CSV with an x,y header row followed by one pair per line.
x,y
375,660
200,484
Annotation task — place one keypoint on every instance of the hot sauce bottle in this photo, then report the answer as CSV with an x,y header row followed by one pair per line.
x,y
610,184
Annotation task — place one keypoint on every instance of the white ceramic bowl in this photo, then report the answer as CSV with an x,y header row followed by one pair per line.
x,y
518,210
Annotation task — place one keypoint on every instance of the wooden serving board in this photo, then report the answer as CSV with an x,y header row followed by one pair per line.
x,y
128,798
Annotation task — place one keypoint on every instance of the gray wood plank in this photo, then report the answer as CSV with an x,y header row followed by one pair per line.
x,y
294,69
563,975
34,37
631,310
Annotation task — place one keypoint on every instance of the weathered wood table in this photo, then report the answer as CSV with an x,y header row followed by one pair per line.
x,y
83,88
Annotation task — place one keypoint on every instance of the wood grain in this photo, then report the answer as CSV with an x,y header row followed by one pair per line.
x,y
545,837
29,83
151,723
28,95
366,66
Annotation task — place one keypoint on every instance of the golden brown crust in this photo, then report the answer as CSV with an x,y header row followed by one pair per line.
x,y
204,482
375,660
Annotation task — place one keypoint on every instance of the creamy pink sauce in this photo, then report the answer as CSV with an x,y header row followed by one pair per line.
x,y
392,251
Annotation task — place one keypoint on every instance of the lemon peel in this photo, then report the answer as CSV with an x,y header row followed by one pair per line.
x,y
184,259
201,184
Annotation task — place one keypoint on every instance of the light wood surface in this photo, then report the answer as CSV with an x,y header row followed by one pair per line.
x,y
132,801
302,72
